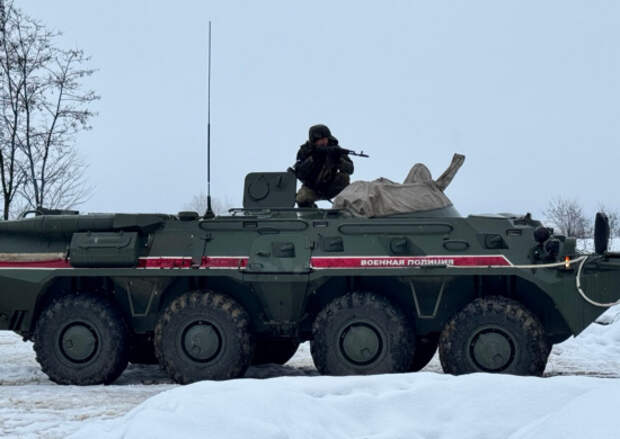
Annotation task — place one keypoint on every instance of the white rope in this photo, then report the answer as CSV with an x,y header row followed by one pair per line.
x,y
553,264
583,294
581,259
549,265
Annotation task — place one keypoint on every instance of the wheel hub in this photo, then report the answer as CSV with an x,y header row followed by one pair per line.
x,y
360,343
78,342
202,341
492,350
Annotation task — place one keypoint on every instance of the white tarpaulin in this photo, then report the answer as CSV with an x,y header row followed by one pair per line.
x,y
381,197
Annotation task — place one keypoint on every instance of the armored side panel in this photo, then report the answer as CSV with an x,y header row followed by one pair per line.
x,y
104,249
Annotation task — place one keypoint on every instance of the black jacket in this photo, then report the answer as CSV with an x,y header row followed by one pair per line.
x,y
317,166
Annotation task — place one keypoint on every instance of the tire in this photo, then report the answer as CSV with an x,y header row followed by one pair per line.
x,y
203,336
496,335
425,348
81,339
274,351
361,334
141,350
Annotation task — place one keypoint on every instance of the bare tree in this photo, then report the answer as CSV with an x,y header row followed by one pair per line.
x,y
568,217
199,204
44,107
11,123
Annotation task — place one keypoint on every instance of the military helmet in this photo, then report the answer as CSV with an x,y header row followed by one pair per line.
x,y
317,132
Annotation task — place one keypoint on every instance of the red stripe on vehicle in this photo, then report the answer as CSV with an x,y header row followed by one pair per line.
x,y
186,262
320,262
58,263
165,262
224,262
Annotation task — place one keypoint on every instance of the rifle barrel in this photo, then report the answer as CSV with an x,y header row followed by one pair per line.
x,y
357,154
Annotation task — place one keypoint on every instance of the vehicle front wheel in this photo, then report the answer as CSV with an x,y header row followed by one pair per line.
x,y
203,336
360,334
81,339
494,334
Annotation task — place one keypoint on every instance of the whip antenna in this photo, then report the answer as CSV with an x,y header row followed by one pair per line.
x,y
209,213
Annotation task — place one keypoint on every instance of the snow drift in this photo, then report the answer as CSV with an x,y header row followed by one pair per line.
x,y
418,405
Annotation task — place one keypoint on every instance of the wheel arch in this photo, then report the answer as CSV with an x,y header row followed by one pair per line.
x,y
392,288
465,289
61,286
540,303
225,285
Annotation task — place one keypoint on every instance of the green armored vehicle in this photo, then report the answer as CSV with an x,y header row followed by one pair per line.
x,y
210,296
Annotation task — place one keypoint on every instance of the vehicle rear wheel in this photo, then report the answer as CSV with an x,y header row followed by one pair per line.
x,y
494,334
203,336
361,334
274,351
425,348
81,339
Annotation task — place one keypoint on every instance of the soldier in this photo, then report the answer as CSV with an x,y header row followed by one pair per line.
x,y
322,166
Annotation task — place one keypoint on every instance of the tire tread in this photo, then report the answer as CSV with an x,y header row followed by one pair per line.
x,y
452,358
112,365
402,352
210,300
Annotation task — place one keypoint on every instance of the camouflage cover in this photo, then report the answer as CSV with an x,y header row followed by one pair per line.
x,y
382,197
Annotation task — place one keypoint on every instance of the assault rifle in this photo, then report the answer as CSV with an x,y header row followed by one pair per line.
x,y
340,150
331,149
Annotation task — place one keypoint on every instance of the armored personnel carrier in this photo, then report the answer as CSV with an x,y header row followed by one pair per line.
x,y
207,297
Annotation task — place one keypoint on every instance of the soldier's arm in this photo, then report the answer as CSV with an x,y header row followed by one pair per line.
x,y
304,162
305,151
303,168
345,164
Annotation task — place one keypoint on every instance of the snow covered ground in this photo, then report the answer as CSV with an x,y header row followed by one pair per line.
x,y
576,398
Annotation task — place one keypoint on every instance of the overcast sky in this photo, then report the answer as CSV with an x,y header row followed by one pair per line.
x,y
528,91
